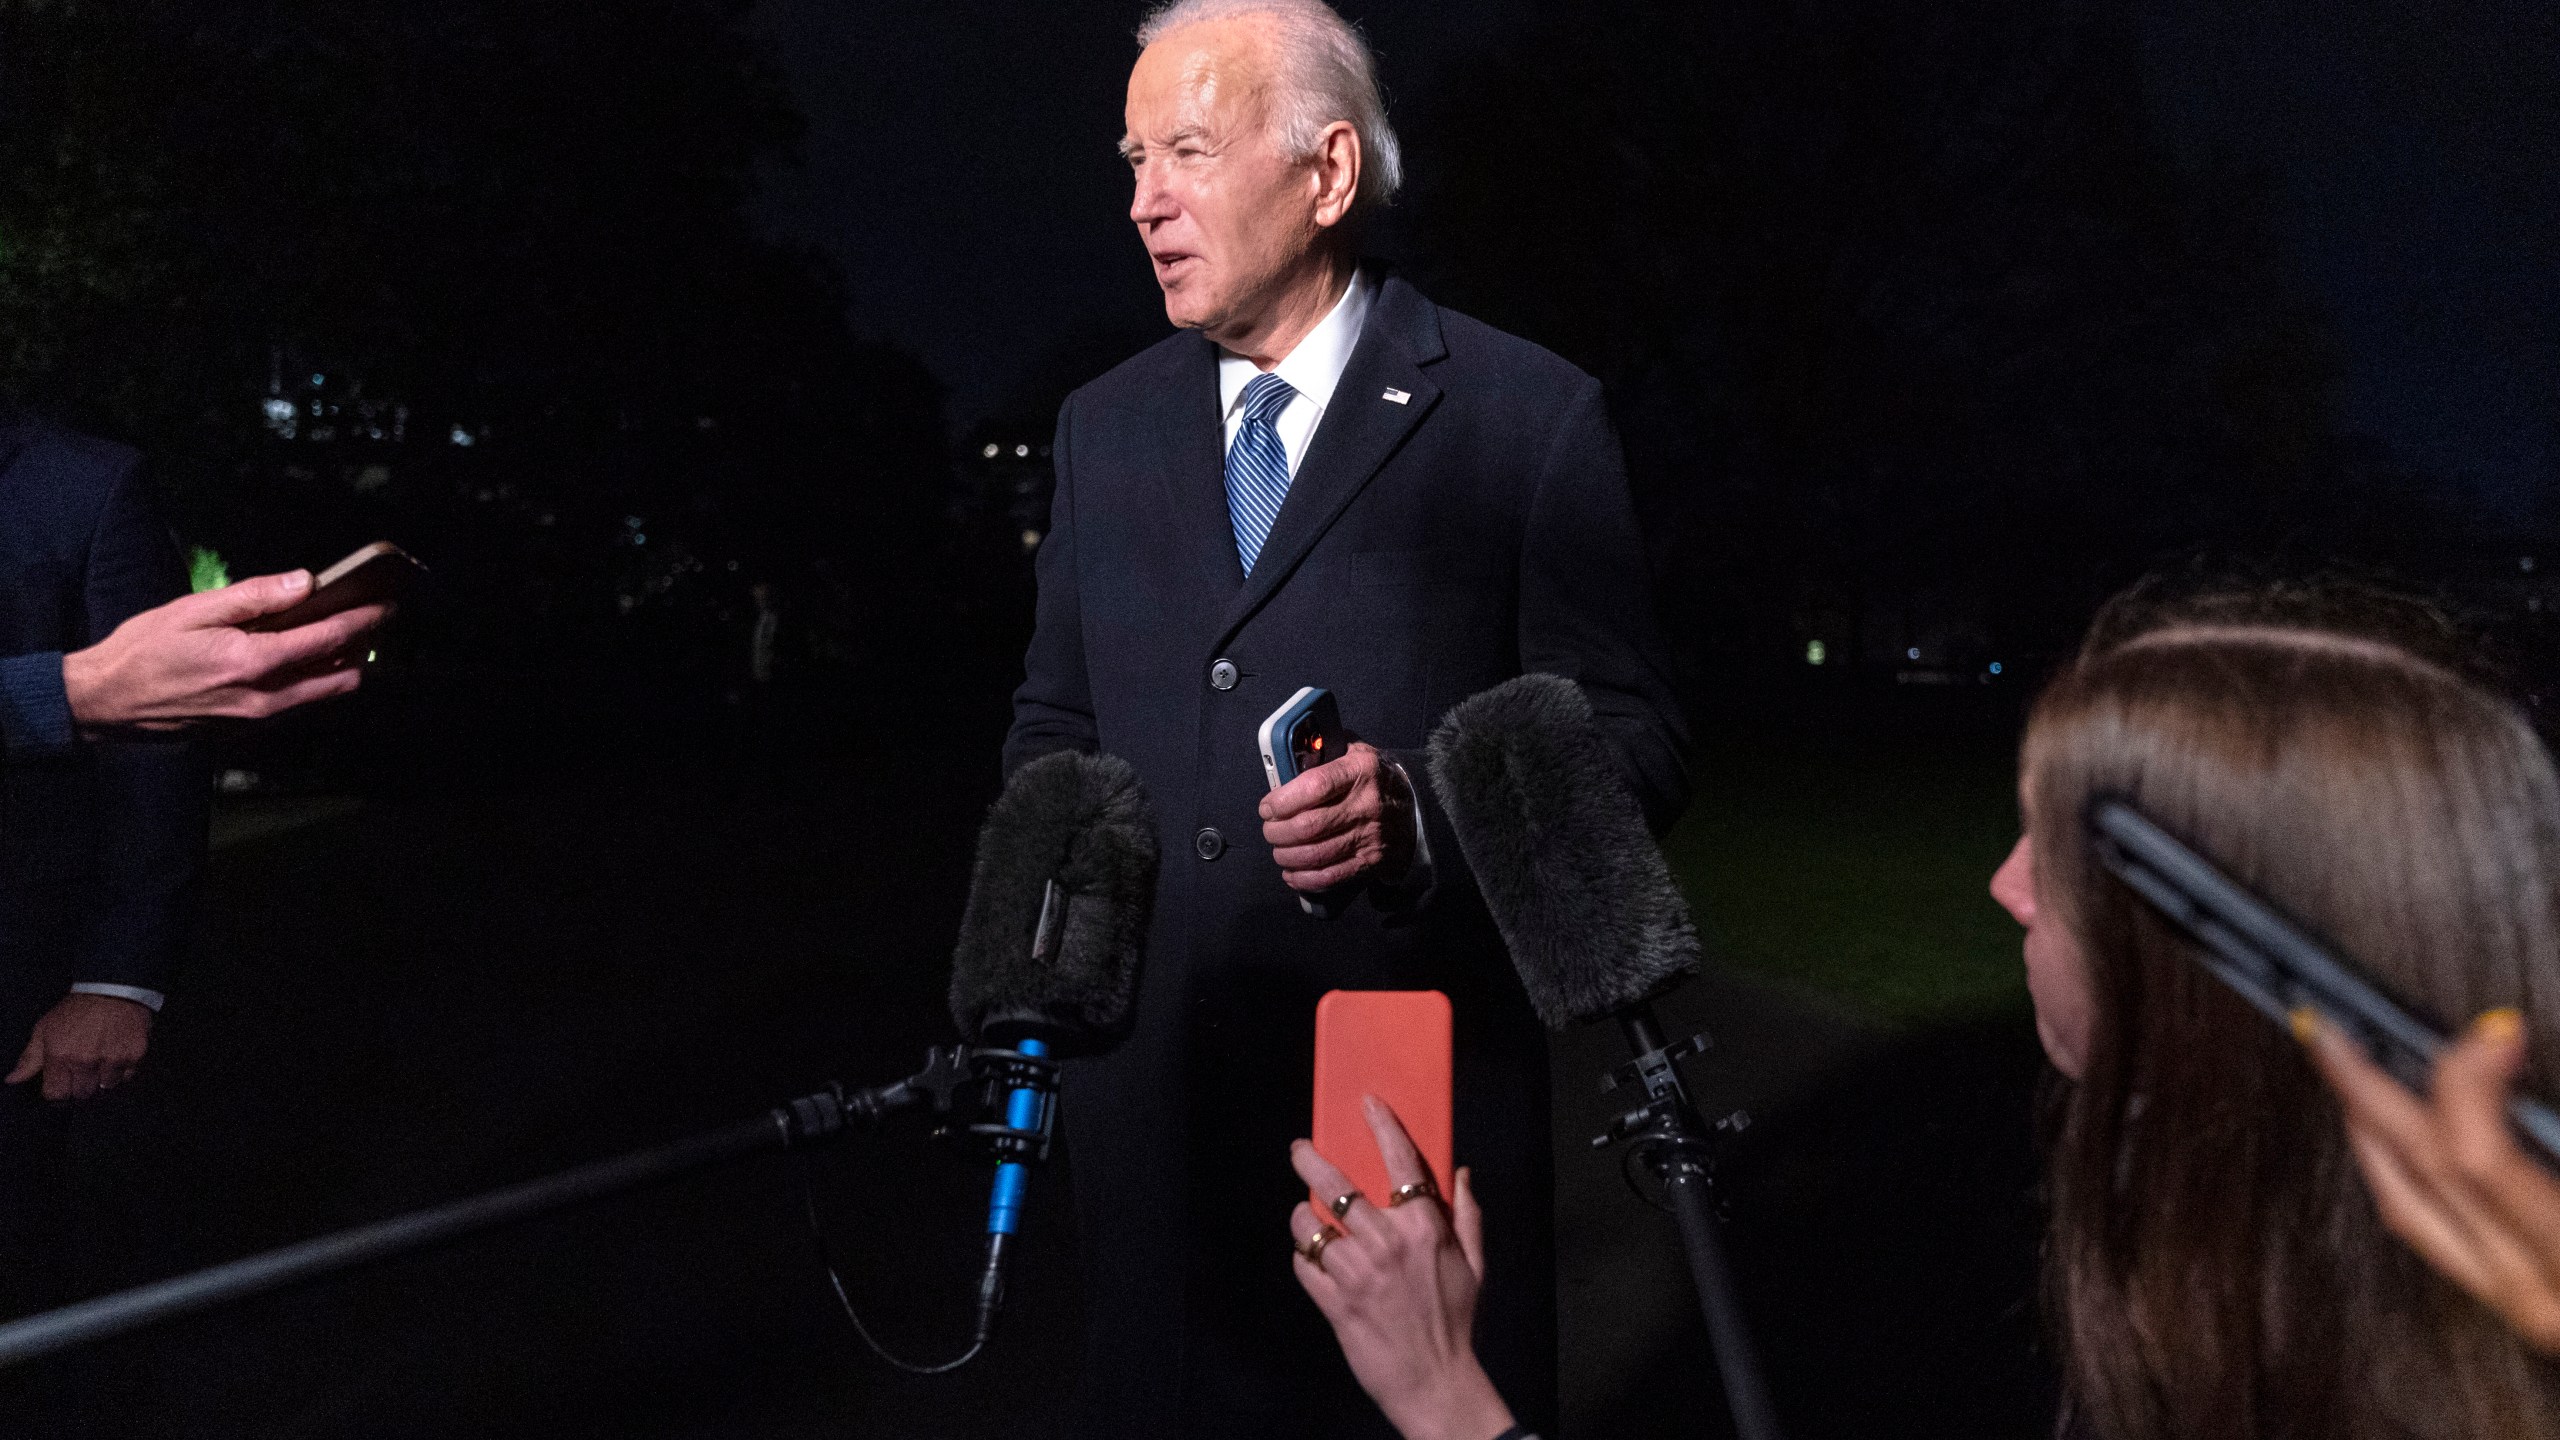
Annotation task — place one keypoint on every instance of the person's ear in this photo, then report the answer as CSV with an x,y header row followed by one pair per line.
x,y
1336,172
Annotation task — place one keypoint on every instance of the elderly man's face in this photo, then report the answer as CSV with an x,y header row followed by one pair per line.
x,y
1227,217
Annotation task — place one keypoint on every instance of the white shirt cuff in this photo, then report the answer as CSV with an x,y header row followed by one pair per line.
x,y
150,1000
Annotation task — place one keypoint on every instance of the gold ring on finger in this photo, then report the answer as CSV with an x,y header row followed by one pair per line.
x,y
1422,1189
1313,1246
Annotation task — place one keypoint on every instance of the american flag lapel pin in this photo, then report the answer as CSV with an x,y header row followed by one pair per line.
x,y
1398,396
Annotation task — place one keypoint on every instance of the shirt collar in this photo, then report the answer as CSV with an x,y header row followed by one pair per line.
x,y
1316,365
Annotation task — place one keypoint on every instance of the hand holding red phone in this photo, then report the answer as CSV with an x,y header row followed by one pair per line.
x,y
1399,1287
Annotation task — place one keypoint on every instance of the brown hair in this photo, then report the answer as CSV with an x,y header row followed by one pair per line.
x,y
2215,1267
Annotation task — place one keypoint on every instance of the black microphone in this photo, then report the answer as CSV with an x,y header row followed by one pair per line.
x,y
1597,929
1058,907
1556,842
1047,964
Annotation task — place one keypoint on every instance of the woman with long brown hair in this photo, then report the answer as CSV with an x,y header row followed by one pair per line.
x,y
2216,1267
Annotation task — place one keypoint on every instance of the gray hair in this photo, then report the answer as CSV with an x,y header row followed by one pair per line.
x,y
1327,73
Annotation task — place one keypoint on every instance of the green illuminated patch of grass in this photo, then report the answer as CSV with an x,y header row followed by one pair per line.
x,y
1858,872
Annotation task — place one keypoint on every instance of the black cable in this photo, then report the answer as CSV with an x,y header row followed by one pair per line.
x,y
818,1235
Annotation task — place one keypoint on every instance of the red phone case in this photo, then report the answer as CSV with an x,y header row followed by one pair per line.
x,y
1393,1044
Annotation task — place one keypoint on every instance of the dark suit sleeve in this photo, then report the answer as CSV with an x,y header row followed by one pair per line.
x,y
35,710
1587,606
1054,708
153,795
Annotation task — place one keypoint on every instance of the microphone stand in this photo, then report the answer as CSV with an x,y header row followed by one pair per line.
x,y
1671,1141
948,1070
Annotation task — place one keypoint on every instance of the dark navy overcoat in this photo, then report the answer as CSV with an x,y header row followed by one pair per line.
x,y
1461,517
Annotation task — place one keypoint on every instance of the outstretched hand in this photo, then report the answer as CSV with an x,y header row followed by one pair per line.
x,y
1399,1287
2446,1174
189,660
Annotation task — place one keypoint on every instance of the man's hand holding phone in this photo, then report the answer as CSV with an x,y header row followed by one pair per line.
x,y
191,659
1342,819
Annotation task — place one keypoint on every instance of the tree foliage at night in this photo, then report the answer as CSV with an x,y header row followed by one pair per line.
x,y
1895,299
526,217
473,195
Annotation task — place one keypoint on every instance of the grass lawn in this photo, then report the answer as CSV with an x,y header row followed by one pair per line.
x,y
1857,870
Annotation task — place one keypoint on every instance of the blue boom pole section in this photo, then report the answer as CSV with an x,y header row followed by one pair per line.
x,y
1013,1178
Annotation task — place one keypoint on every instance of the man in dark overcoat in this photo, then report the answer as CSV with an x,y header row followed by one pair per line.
x,y
1322,479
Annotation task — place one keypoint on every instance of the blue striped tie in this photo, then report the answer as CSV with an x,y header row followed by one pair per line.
x,y
1257,468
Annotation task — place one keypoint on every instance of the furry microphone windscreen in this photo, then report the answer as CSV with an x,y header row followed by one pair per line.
x,y
1557,844
1083,821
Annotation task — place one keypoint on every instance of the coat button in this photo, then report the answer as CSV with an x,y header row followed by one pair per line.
x,y
1209,844
1222,676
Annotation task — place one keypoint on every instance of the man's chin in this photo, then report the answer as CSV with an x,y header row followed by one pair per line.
x,y
1184,308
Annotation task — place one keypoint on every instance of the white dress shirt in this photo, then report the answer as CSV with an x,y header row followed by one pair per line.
x,y
1312,369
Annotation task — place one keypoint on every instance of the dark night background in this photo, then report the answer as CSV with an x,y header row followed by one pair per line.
x,y
1927,324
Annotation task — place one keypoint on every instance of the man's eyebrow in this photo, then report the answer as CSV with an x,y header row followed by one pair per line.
x,y
1131,145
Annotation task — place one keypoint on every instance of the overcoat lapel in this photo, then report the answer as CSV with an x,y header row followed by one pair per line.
x,y
1361,429
1192,462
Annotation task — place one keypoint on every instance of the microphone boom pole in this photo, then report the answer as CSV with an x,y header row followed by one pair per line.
x,y
1046,970
809,1118
1597,929
1672,1141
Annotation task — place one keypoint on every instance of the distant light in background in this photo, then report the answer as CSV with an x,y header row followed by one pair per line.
x,y
369,656
1022,450
1995,667
1030,541
205,570
1913,652
2525,563
459,436
990,451
1814,654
